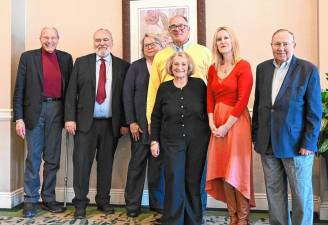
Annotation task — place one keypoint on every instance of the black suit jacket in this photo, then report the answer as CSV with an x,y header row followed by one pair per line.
x,y
81,93
28,92
135,96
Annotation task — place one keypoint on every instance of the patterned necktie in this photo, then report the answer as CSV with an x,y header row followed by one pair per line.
x,y
101,91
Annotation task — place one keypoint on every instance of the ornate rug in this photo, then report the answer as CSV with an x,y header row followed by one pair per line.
x,y
94,217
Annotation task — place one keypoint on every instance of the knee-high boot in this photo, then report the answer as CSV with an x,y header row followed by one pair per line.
x,y
230,195
242,209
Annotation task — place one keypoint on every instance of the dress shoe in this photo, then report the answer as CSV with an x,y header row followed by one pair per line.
x,y
54,207
106,208
30,209
133,213
158,221
79,213
158,210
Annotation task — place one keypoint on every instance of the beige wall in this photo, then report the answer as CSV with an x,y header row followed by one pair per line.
x,y
323,37
253,21
76,21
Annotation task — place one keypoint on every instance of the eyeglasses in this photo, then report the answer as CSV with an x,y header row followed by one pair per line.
x,y
176,26
283,44
151,45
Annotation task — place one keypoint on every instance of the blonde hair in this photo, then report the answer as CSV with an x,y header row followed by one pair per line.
x,y
216,55
191,65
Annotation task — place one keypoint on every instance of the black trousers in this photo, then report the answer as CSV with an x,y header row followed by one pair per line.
x,y
183,167
140,154
97,141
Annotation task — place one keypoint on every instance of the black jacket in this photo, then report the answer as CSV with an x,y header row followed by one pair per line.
x,y
28,92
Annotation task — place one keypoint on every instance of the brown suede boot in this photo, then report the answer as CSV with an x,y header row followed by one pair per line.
x,y
242,209
230,195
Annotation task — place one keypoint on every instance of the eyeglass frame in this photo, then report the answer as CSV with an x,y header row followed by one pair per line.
x,y
180,26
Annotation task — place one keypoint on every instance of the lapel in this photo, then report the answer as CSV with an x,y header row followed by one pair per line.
x,y
115,72
61,67
144,65
287,80
268,71
38,63
92,67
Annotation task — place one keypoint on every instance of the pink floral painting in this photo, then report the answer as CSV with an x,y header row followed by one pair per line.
x,y
156,21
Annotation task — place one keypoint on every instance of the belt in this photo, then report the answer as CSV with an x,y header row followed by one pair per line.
x,y
50,99
102,118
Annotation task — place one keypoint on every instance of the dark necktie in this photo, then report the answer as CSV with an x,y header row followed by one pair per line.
x,y
101,91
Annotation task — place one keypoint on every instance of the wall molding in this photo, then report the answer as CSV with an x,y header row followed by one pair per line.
x,y
323,210
6,114
12,199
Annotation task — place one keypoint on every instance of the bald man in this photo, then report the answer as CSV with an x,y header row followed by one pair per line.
x,y
286,124
38,103
94,115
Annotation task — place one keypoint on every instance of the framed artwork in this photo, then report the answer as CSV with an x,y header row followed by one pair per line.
x,y
152,16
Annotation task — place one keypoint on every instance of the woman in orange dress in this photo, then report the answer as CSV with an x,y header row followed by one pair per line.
x,y
229,170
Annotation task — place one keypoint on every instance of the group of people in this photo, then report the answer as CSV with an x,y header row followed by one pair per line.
x,y
186,113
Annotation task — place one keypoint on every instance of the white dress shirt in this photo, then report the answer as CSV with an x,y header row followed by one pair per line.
x,y
104,110
279,75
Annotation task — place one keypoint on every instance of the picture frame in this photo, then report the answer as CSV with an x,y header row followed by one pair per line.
x,y
151,16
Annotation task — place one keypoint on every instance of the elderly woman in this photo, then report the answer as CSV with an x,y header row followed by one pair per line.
x,y
180,131
229,169
134,99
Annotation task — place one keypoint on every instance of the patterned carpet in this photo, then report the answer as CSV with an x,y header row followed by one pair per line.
x,y
94,217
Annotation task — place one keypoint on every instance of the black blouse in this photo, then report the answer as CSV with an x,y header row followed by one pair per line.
x,y
180,113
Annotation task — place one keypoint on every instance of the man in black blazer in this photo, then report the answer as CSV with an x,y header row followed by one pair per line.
x,y
94,114
41,82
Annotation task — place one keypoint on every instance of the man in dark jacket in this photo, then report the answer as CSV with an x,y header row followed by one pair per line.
x,y
38,103
94,114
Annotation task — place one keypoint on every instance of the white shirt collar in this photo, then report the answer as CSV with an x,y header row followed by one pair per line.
x,y
283,65
180,48
108,58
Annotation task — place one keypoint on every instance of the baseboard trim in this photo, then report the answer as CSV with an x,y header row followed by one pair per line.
x,y
6,114
12,199
117,197
323,215
9,200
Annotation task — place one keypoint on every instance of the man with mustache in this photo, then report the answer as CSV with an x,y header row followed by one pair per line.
x,y
94,115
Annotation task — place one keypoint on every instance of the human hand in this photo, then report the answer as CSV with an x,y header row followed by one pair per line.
x,y
20,128
135,129
154,148
70,127
222,131
305,152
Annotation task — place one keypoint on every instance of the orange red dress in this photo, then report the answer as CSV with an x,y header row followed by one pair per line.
x,y
230,158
